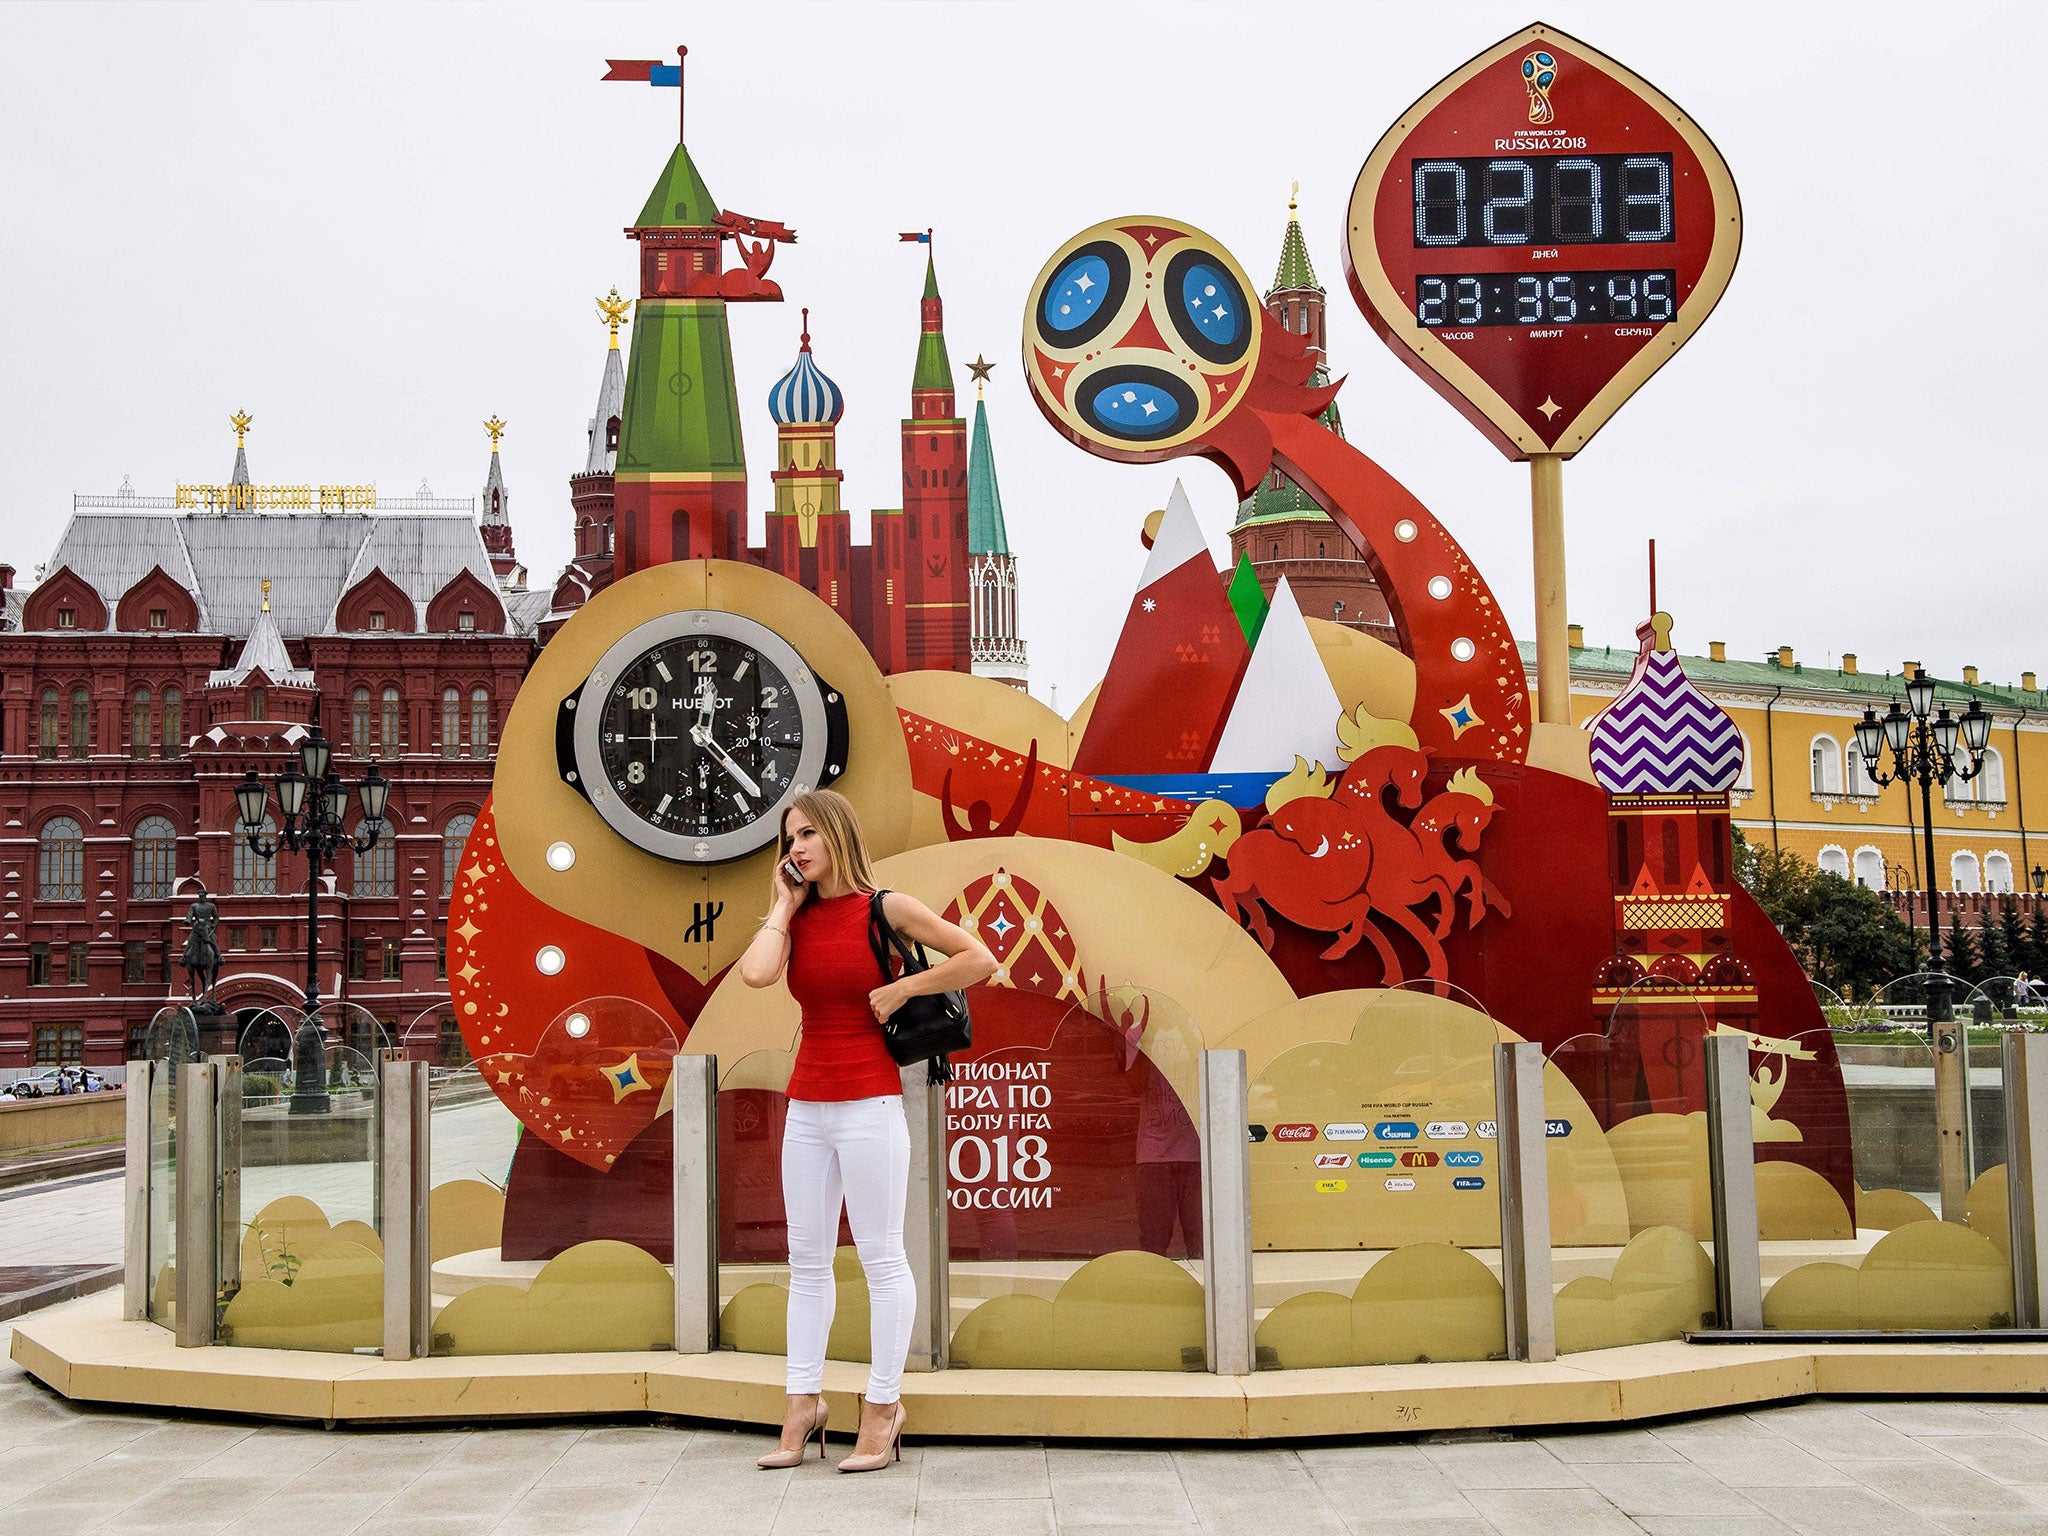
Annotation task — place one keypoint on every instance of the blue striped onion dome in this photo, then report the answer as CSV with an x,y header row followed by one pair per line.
x,y
804,397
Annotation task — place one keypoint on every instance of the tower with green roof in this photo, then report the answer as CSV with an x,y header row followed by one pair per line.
x,y
995,641
680,485
1280,531
929,542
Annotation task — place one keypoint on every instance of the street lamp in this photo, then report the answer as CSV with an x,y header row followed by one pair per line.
x,y
2040,878
1923,751
313,799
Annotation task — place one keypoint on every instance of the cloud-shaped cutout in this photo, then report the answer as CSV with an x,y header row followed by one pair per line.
x,y
307,1284
463,1216
1662,1159
1931,1274
1661,1285
595,1296
1428,1301
1886,1210
755,1321
1125,1311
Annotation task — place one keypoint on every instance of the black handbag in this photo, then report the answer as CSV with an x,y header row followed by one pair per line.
x,y
929,1025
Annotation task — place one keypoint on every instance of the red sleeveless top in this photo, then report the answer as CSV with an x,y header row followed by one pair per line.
x,y
831,972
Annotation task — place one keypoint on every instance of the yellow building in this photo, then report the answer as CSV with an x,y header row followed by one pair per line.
x,y
1803,786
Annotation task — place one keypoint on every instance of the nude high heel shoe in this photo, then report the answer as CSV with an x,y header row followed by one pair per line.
x,y
881,1458
776,1459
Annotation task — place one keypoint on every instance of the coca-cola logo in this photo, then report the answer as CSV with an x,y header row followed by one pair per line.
x,y
1294,1133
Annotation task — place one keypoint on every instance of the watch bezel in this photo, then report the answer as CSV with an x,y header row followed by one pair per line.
x,y
697,623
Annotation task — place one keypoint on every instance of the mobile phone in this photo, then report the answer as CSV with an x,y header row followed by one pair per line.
x,y
791,873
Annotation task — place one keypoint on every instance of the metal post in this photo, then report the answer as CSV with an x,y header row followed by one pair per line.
x,y
1953,1161
405,1184
1731,1176
135,1194
197,1240
1227,1214
1522,1127
2026,1172
228,1099
924,1220
693,1083
1553,654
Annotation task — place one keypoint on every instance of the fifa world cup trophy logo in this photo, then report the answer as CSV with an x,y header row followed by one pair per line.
x,y
1539,72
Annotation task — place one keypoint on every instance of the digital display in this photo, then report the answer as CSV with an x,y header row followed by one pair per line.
x,y
1542,200
1454,301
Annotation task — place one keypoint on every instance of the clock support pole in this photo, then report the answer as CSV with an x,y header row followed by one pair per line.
x,y
1553,654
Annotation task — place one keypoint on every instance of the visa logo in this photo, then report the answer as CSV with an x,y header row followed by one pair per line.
x,y
1375,1159
1344,1130
1332,1160
1470,1181
1447,1130
1395,1130
1398,1185
1464,1159
1556,1128
1419,1159
1331,1186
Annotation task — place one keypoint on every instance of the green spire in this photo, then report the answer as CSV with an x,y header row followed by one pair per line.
x,y
1247,601
1295,270
931,276
934,371
680,200
985,532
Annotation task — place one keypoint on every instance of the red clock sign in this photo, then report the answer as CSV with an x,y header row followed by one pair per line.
x,y
1537,236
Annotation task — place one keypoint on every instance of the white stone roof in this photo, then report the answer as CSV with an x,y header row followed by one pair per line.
x,y
611,401
263,652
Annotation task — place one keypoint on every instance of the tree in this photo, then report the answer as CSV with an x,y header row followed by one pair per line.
x,y
2037,941
2012,930
1994,959
1962,950
1845,936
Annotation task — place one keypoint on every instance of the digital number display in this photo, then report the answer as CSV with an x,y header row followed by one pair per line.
x,y
1542,200
1463,302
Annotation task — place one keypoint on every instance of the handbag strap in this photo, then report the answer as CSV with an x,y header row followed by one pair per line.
x,y
882,938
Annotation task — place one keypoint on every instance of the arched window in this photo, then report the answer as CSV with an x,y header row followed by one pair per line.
x,y
1962,873
1860,781
1827,766
1998,873
1990,780
156,858
359,722
452,842
1745,781
451,721
479,722
60,860
1958,790
388,740
81,723
1870,868
377,870
174,722
138,735
254,876
46,741
1834,861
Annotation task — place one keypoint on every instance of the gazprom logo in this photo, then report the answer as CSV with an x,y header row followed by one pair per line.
x,y
1395,1130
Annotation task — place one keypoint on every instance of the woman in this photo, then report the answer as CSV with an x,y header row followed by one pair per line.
x,y
846,1141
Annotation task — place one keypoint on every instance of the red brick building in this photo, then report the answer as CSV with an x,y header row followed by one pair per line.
x,y
175,642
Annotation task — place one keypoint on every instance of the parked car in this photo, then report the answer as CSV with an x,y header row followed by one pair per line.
x,y
58,1081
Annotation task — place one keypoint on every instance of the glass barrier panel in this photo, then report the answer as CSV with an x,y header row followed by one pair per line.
x,y
172,1039
553,1170
1631,1218
1375,1183
312,1259
1074,1175
753,1235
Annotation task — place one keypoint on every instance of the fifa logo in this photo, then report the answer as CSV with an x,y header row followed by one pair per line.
x,y
1539,73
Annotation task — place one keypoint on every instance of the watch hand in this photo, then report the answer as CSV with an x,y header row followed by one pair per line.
x,y
724,760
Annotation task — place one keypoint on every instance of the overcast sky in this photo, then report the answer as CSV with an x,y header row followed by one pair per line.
x,y
372,227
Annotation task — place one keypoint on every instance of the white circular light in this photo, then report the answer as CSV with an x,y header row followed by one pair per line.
x,y
1462,649
578,1025
550,960
1439,587
560,855
1405,530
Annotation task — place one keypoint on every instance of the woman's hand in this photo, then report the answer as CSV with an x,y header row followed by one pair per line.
x,y
886,1000
783,898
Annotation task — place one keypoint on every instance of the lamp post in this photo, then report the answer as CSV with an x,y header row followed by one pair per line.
x,y
1923,742
2040,878
313,800
1900,878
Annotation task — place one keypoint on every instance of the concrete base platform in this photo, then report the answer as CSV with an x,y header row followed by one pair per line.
x,y
85,1351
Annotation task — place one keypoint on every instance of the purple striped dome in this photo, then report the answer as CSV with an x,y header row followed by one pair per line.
x,y
1663,736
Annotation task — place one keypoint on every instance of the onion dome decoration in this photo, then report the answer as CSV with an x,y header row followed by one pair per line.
x,y
1663,736
804,397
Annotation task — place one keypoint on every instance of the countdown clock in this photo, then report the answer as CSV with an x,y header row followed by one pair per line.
x,y
1537,235
694,732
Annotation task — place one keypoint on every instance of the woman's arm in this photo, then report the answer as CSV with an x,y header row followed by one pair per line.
x,y
762,962
967,958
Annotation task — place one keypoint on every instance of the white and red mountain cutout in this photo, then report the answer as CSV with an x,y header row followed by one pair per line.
x,y
1285,706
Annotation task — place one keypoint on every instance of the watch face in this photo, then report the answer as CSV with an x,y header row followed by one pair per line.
x,y
695,731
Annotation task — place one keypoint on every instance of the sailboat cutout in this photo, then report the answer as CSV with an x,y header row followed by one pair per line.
x,y
1285,706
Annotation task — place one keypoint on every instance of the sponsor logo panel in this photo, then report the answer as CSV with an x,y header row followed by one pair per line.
x,y
1395,1130
1294,1133
1333,1160
1464,1159
1375,1159
1398,1185
1331,1186
1447,1130
1419,1159
1469,1181
1344,1130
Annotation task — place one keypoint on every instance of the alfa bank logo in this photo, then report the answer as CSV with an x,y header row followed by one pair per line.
x,y
1294,1133
1399,1185
1333,1160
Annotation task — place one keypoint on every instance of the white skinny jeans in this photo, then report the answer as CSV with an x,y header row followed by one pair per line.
x,y
857,1153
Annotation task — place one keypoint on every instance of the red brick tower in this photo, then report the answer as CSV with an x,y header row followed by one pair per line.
x,y
928,558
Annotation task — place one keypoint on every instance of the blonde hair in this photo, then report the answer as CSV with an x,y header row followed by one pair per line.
x,y
838,827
